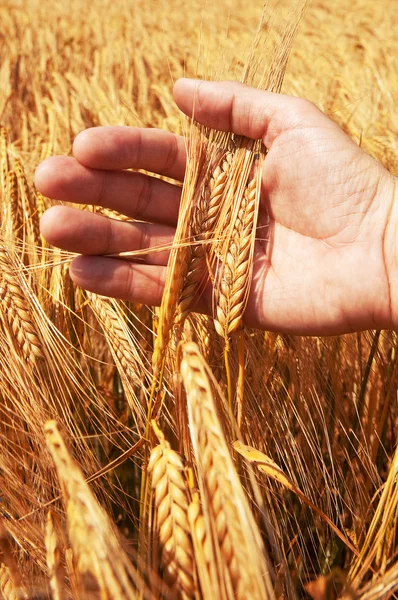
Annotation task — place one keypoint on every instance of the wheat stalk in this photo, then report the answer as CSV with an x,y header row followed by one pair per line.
x,y
201,544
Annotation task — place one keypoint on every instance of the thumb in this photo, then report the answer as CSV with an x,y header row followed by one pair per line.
x,y
237,108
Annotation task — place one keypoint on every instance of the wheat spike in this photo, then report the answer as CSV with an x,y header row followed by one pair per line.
x,y
15,205
15,309
4,162
27,201
232,291
204,219
217,187
171,508
40,203
10,578
7,587
54,560
238,550
126,358
94,540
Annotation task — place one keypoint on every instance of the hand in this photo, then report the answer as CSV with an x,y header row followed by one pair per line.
x,y
326,268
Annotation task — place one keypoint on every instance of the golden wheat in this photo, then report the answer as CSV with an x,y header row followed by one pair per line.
x,y
237,553
96,546
15,311
54,560
171,507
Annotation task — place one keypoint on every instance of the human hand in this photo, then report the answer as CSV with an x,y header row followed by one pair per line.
x,y
327,267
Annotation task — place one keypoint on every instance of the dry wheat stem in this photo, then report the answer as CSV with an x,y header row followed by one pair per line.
x,y
178,264
171,508
201,544
378,543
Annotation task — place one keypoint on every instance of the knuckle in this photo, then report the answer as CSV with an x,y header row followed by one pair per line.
x,y
145,236
107,244
144,195
171,155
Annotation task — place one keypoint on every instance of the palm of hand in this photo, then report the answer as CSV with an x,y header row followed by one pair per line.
x,y
323,245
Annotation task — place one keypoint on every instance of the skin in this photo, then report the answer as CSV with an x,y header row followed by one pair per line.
x,y
325,263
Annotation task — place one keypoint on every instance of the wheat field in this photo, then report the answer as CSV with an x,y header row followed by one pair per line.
x,y
152,452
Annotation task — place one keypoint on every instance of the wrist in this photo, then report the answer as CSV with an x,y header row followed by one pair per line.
x,y
390,248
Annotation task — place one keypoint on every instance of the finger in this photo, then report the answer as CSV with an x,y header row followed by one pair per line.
x,y
234,107
88,233
133,194
126,281
113,148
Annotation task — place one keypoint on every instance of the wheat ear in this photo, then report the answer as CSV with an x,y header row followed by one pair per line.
x,y
7,587
238,555
14,204
204,219
171,508
232,290
16,311
126,358
10,579
27,201
4,162
94,539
